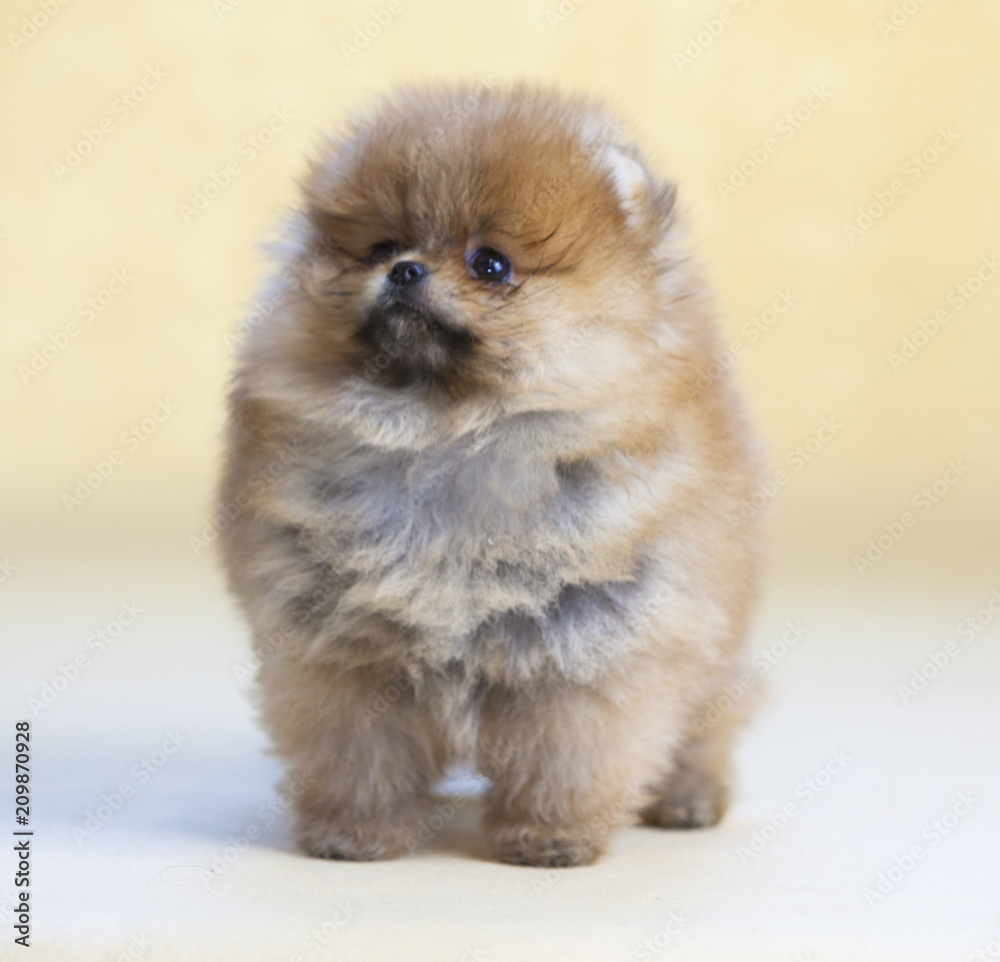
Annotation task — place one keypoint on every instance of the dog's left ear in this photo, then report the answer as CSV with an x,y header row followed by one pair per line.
x,y
646,203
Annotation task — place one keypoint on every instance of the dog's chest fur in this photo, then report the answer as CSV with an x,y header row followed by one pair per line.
x,y
495,553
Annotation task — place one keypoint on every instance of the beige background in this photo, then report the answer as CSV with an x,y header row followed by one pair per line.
x,y
228,65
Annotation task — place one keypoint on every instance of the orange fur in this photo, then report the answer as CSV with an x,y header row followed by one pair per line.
x,y
500,525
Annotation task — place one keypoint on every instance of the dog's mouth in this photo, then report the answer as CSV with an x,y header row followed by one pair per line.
x,y
406,343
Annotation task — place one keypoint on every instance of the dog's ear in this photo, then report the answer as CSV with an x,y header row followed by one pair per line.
x,y
646,202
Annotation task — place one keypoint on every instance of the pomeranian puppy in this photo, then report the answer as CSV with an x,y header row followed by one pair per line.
x,y
484,474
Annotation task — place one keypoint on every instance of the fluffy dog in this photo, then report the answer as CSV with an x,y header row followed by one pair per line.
x,y
485,474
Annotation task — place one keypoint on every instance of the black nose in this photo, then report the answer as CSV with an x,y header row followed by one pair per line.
x,y
407,273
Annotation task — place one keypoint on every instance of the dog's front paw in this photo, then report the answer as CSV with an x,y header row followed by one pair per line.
x,y
543,847
356,841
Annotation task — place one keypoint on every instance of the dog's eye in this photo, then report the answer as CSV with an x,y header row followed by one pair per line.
x,y
489,265
383,250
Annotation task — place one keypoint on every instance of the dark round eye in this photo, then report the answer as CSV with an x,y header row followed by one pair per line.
x,y
489,265
383,250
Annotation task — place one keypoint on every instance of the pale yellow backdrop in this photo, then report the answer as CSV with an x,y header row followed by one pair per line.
x,y
826,106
